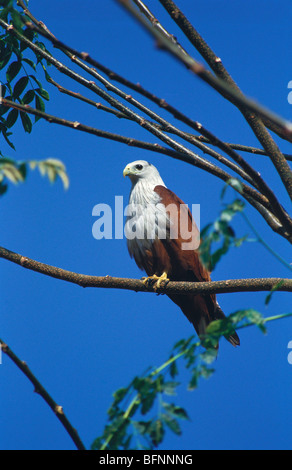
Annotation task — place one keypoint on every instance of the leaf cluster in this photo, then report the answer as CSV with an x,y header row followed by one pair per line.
x,y
140,413
16,171
218,237
19,67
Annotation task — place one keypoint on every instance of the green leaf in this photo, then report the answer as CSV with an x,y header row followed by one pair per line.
x,y
30,62
64,178
170,387
20,87
147,402
9,170
172,423
5,135
26,122
173,370
29,34
209,355
28,97
5,55
256,318
3,189
40,105
53,168
156,432
206,372
274,289
220,232
234,183
43,93
120,394
193,383
23,170
11,118
175,410
13,70
17,20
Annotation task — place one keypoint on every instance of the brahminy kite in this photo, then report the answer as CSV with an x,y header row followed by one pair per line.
x,y
163,239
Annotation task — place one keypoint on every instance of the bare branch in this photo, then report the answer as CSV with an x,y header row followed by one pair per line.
x,y
245,104
253,196
146,93
242,148
38,388
164,125
249,173
84,280
249,193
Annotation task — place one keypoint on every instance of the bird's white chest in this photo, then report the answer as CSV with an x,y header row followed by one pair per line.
x,y
146,221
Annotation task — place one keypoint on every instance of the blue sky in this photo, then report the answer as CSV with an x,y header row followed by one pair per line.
x,y
83,344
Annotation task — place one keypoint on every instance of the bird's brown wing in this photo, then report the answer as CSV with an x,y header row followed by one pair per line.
x,y
182,263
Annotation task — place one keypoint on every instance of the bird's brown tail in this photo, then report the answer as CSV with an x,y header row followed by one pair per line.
x,y
201,311
233,338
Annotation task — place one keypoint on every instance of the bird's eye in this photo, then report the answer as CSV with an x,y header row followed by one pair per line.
x,y
139,167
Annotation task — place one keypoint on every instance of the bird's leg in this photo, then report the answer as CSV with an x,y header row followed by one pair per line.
x,y
157,279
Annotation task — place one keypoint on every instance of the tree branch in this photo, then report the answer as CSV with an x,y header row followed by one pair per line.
x,y
187,136
165,126
249,174
244,104
200,163
137,285
253,196
243,148
38,388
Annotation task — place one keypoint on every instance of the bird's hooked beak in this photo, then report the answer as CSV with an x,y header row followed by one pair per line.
x,y
127,171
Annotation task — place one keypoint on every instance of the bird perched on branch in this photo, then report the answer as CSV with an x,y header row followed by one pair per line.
x,y
163,239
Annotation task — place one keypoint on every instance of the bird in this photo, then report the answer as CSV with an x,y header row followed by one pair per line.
x,y
165,247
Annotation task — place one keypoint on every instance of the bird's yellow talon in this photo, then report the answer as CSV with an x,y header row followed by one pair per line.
x,y
148,281
160,281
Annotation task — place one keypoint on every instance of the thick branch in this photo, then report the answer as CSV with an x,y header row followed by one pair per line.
x,y
137,285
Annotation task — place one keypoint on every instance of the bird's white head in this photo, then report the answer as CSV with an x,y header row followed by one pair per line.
x,y
140,170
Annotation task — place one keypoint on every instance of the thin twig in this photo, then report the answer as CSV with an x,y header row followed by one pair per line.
x,y
242,148
260,239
